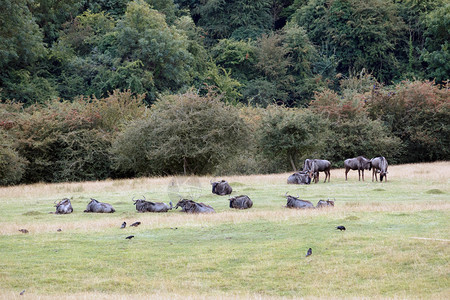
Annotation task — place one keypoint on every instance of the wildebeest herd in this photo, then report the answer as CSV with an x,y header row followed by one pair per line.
x,y
312,168
310,172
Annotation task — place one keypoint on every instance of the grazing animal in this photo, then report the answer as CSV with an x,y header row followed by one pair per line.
x,y
323,203
64,206
192,207
221,188
341,228
124,224
359,163
135,224
309,252
299,178
314,166
240,202
23,230
129,237
147,206
295,202
379,165
99,207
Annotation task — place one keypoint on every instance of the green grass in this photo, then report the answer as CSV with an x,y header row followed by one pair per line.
x,y
396,243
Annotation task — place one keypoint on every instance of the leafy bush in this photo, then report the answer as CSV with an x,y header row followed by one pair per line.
x,y
65,141
352,132
288,134
419,114
183,134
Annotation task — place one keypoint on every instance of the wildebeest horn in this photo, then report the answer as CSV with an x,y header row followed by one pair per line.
x,y
285,194
144,197
133,199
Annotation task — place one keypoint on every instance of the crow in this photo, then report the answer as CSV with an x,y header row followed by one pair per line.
x,y
309,252
124,224
136,224
129,237
340,228
23,230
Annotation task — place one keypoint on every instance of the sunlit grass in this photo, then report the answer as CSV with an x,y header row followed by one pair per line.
x,y
396,243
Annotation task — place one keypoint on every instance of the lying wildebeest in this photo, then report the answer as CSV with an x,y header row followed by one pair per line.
x,y
379,165
299,178
221,188
240,202
192,207
146,206
64,206
99,207
359,163
314,166
295,202
323,203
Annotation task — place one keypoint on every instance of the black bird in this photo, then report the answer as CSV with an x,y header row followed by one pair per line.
x,y
341,228
23,230
135,224
309,252
22,292
130,237
59,230
124,224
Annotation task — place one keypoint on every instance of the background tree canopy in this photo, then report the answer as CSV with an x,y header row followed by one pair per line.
x,y
116,88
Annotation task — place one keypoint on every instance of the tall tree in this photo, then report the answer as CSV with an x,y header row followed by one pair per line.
x,y
362,33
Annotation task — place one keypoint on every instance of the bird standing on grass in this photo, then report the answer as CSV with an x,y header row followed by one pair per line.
x,y
309,252
22,292
136,224
124,224
340,228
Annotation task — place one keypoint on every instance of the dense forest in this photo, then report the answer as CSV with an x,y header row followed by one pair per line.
x,y
91,89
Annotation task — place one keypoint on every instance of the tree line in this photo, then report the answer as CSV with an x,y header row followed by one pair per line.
x,y
256,52
118,136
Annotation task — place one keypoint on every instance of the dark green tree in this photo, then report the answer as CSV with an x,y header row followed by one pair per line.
x,y
362,34
437,43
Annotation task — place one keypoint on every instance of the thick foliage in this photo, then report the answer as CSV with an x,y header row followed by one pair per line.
x,y
353,133
183,134
287,134
419,114
64,141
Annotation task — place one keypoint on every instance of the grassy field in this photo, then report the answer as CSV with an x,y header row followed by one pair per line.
x,y
397,242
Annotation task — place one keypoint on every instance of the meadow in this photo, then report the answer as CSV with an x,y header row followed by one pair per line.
x,y
396,244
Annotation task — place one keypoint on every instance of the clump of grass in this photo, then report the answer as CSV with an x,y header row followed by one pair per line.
x,y
33,213
435,192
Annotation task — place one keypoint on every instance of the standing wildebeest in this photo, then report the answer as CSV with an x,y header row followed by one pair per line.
x,y
299,178
99,207
294,202
379,165
314,166
240,202
359,163
221,188
143,206
64,206
323,203
192,207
